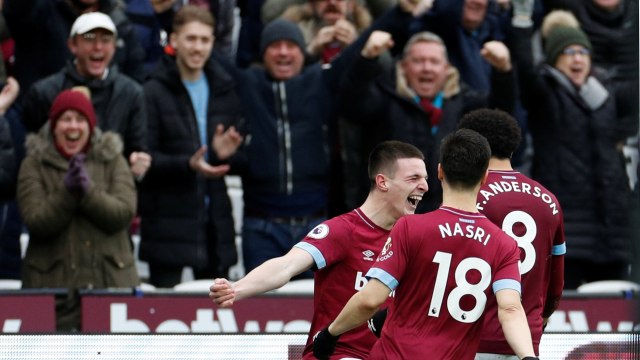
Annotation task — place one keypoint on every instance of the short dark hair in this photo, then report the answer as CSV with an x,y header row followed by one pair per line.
x,y
500,129
383,157
191,13
464,158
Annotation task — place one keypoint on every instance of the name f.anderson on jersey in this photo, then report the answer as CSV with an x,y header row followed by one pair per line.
x,y
498,187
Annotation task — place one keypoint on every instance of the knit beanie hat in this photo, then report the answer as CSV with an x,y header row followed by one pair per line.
x,y
560,29
72,99
281,29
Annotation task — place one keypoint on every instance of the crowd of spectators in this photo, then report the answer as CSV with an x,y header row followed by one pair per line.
x,y
291,96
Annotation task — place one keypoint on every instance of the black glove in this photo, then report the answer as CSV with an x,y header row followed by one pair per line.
x,y
324,344
377,322
530,358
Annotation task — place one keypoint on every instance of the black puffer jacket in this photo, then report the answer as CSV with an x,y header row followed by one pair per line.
x,y
8,161
118,101
41,28
286,165
172,197
578,156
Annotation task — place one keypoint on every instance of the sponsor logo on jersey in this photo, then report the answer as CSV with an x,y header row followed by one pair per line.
x,y
368,255
386,256
386,253
319,232
386,246
361,281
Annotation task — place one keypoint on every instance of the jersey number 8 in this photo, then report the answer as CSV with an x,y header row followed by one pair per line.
x,y
525,242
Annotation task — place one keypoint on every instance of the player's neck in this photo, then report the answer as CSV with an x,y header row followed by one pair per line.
x,y
500,164
378,213
461,200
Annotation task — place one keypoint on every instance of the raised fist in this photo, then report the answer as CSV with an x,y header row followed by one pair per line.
x,y
497,55
378,43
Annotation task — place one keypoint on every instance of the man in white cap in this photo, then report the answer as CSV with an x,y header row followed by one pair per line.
x,y
118,99
40,29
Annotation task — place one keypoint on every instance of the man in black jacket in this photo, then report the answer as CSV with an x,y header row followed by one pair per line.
x,y
10,227
118,99
40,29
291,113
193,113
419,101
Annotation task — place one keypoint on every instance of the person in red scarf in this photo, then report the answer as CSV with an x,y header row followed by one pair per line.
x,y
77,197
418,100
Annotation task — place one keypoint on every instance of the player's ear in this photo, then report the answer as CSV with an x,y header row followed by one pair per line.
x,y
381,182
440,173
484,178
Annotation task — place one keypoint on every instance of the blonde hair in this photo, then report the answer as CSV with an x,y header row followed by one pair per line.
x,y
427,37
83,89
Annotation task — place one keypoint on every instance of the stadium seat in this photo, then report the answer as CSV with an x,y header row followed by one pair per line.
x,y
200,286
10,284
609,286
296,287
146,287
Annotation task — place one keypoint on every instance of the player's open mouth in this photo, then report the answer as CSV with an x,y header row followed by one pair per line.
x,y
414,199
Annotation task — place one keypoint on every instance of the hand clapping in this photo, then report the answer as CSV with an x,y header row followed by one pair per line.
x,y
77,179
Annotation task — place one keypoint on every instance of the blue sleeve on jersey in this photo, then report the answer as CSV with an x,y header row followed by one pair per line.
x,y
559,249
383,276
507,284
314,252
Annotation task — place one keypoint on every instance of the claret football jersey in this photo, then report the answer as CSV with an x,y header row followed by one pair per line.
x,y
443,265
343,249
532,216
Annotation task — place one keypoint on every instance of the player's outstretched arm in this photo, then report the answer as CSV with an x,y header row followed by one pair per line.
x,y
272,274
361,307
358,310
514,323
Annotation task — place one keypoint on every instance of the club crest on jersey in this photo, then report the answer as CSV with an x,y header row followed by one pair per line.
x,y
319,232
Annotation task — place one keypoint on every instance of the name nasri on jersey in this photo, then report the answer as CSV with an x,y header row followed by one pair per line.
x,y
468,230
499,187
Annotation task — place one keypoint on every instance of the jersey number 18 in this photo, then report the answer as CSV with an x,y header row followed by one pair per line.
x,y
463,287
